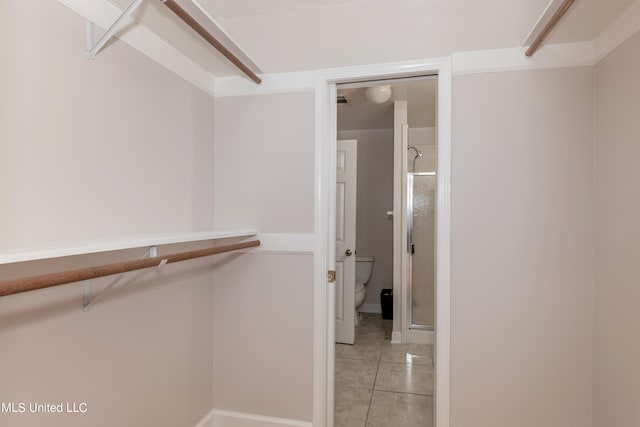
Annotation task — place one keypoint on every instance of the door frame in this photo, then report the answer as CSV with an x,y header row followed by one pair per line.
x,y
324,228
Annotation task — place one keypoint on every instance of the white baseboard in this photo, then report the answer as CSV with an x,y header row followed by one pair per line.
x,y
221,418
370,308
396,337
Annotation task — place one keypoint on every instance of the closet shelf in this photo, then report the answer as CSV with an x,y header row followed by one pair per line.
x,y
219,43
62,249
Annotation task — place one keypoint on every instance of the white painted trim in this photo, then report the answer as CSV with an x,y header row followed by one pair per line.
x,y
271,83
481,61
623,27
380,71
103,13
396,337
514,59
443,250
370,308
324,252
400,218
222,418
322,289
469,62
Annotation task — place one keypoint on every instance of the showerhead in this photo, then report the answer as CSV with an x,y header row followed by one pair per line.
x,y
418,152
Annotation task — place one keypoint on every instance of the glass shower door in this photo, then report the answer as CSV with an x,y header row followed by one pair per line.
x,y
421,188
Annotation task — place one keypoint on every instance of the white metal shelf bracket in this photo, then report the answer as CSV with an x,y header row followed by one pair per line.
x,y
90,300
92,50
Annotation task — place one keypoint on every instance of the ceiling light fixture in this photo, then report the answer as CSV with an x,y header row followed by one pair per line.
x,y
378,94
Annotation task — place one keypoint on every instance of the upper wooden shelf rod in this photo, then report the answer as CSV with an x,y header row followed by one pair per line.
x,y
33,283
190,21
537,42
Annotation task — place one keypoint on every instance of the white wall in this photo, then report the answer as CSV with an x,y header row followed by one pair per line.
x,y
522,289
263,303
141,356
374,229
522,249
264,163
121,146
263,340
114,146
616,345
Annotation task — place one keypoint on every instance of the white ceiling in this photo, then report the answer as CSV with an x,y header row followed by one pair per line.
x,y
229,8
359,32
297,35
360,113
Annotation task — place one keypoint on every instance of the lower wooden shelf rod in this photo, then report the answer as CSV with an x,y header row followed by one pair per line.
x,y
33,283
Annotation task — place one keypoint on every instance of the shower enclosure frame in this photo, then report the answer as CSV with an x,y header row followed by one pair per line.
x,y
324,228
410,253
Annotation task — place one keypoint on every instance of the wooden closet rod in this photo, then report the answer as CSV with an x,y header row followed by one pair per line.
x,y
188,19
549,27
27,284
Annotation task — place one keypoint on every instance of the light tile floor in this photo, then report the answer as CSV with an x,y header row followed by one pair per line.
x,y
380,384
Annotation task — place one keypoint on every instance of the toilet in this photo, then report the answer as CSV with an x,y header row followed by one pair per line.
x,y
364,271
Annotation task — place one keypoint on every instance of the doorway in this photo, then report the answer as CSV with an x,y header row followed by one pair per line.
x,y
325,209
383,375
385,218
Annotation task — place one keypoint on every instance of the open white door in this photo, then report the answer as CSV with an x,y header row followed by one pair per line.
x,y
346,176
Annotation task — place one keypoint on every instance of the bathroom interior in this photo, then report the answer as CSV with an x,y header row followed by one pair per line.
x,y
390,360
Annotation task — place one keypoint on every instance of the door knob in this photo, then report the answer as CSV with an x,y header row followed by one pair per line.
x,y
348,252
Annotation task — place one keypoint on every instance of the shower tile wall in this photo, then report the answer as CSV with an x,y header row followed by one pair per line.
x,y
425,140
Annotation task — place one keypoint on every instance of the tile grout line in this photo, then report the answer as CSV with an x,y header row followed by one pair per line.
x,y
405,363
373,388
377,373
380,351
404,392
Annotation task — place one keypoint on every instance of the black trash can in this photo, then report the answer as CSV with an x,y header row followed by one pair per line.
x,y
386,303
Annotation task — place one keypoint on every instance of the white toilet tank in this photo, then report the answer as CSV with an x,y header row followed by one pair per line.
x,y
364,269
